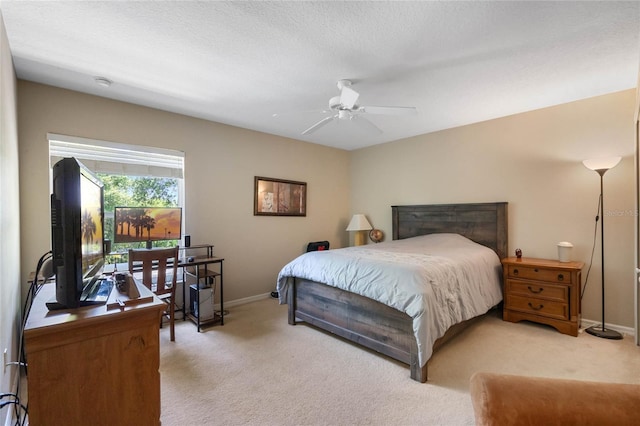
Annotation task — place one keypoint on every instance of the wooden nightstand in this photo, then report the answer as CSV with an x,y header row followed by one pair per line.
x,y
543,291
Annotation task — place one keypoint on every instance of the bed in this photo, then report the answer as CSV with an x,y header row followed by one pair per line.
x,y
396,331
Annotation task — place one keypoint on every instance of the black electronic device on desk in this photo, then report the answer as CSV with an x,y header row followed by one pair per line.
x,y
77,234
95,292
170,217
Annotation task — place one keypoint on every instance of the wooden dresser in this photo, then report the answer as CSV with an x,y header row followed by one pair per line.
x,y
543,291
93,365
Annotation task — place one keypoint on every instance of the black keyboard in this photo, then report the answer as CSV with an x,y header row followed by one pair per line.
x,y
97,291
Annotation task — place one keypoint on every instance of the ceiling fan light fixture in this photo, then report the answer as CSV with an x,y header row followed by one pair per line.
x,y
343,83
334,103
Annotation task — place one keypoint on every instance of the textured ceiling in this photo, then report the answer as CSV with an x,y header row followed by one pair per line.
x,y
241,62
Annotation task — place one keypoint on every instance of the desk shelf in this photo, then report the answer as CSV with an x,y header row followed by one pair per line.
x,y
208,273
202,273
201,250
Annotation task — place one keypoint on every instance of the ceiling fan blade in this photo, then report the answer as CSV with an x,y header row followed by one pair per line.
x,y
366,124
309,111
388,110
348,97
319,124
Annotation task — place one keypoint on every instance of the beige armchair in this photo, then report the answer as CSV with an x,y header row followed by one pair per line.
x,y
500,399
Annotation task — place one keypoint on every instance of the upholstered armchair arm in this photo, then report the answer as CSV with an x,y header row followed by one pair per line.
x,y
500,399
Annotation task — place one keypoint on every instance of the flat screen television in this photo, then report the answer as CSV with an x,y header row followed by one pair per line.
x,y
77,231
147,224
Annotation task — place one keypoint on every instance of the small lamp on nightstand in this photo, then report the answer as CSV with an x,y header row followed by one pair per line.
x,y
359,224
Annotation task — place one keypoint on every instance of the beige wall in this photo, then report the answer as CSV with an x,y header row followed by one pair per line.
x,y
220,161
9,218
533,161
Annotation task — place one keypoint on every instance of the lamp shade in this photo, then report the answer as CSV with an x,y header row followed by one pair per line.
x,y
359,223
602,163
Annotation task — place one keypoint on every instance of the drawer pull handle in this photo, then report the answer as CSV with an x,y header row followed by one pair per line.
x,y
515,272
535,270
536,308
560,277
534,291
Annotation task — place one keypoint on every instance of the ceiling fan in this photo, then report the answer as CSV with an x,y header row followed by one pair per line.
x,y
344,107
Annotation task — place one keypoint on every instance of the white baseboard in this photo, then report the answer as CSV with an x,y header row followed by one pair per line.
x,y
629,331
243,301
237,302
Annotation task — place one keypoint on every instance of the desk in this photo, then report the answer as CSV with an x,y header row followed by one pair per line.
x,y
198,268
92,365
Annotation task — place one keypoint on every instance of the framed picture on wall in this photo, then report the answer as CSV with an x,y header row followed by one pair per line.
x,y
279,197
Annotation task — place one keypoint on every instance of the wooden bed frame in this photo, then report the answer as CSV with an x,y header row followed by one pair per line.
x,y
378,326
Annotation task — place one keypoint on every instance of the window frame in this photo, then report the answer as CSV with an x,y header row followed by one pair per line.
x,y
116,158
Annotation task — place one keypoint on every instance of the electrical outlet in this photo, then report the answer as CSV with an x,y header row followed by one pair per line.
x,y
4,360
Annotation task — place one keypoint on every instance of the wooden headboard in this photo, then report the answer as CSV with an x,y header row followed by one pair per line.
x,y
484,223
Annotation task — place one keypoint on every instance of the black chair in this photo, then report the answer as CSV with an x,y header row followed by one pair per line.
x,y
312,246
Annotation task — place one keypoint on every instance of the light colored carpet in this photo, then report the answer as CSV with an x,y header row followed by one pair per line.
x,y
258,370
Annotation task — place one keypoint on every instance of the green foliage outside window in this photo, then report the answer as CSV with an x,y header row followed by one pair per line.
x,y
133,191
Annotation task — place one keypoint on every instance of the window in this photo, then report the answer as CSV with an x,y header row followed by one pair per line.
x,y
133,176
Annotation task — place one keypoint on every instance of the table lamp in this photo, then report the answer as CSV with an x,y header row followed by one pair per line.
x,y
359,224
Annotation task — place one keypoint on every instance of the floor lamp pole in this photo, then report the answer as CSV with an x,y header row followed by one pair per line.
x,y
601,330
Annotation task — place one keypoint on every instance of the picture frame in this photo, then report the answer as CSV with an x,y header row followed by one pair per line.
x,y
279,197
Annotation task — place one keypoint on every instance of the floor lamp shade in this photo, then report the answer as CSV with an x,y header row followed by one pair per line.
x,y
601,165
359,224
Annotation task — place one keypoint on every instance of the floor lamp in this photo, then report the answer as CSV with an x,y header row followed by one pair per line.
x,y
601,165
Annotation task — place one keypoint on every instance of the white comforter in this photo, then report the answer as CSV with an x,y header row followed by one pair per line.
x,y
439,280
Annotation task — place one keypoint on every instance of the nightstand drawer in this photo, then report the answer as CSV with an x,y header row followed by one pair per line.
x,y
558,293
538,273
545,291
531,305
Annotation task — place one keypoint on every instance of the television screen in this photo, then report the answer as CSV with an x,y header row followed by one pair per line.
x,y
147,224
77,230
91,225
